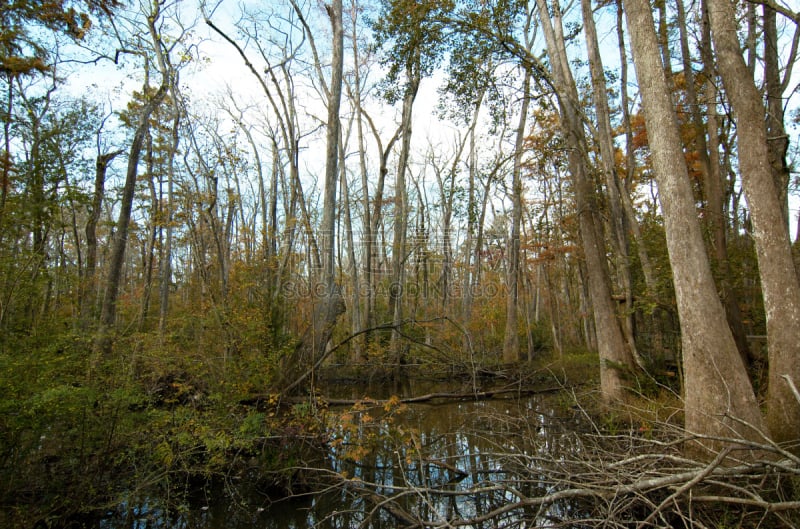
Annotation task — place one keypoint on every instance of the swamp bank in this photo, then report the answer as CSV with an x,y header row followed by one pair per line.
x,y
530,446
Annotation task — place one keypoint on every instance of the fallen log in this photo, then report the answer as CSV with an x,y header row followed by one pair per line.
x,y
428,397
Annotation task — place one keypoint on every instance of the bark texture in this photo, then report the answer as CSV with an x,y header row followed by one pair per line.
x,y
779,283
330,305
719,399
121,236
401,211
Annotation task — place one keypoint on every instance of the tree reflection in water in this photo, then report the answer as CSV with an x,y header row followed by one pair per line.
x,y
450,462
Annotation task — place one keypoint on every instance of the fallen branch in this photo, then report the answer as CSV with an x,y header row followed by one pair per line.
x,y
688,485
789,381
760,504
389,505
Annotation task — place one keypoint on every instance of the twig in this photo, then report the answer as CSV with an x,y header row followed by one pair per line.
x,y
789,381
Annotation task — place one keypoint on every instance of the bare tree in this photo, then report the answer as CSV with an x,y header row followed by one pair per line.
x,y
511,338
375,216
413,78
330,305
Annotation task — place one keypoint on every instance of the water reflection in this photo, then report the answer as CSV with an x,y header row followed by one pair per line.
x,y
456,461
392,464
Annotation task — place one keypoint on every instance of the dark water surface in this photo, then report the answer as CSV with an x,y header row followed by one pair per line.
x,y
424,456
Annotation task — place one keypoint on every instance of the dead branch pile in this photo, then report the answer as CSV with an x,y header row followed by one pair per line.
x,y
640,478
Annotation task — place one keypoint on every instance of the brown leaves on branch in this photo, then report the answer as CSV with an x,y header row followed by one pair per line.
x,y
21,53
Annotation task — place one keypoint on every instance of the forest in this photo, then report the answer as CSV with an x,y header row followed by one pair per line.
x,y
211,211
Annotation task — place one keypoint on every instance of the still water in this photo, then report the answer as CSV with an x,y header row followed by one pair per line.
x,y
391,464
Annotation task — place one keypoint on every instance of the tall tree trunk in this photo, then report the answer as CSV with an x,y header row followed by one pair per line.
x,y
401,212
751,38
165,272
470,247
120,241
330,305
5,156
663,39
715,217
333,135
149,245
777,138
548,263
630,162
613,350
358,350
371,248
272,230
618,221
446,182
367,315
779,282
719,399
89,281
123,221
511,336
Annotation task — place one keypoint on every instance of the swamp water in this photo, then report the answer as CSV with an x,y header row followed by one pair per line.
x,y
437,460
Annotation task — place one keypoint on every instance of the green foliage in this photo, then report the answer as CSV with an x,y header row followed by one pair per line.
x,y
413,36
46,196
574,367
541,336
56,426
77,432
473,58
